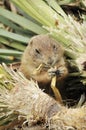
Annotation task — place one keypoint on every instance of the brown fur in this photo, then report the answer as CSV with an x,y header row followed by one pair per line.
x,y
42,49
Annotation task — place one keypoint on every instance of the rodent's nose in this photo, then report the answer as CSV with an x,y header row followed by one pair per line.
x,y
50,61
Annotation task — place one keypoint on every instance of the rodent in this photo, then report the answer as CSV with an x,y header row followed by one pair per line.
x,y
43,50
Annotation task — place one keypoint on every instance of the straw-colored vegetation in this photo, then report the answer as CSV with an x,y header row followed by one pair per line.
x,y
22,106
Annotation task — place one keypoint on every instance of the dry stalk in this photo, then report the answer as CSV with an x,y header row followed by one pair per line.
x,y
38,110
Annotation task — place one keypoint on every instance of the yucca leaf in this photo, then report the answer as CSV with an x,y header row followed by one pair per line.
x,y
14,36
63,2
10,52
25,23
13,44
9,59
10,24
68,32
57,8
35,12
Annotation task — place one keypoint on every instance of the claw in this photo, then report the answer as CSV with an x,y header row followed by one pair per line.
x,y
38,70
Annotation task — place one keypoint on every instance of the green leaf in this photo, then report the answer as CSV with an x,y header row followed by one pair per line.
x,y
13,44
13,36
10,52
10,23
25,23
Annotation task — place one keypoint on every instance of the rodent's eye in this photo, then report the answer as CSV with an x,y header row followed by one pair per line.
x,y
37,51
54,48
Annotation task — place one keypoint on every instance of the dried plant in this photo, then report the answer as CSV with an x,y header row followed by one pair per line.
x,y
26,106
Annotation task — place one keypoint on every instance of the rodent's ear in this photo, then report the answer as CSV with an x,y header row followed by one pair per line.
x,y
31,42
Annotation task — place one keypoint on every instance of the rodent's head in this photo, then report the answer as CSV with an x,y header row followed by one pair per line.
x,y
42,49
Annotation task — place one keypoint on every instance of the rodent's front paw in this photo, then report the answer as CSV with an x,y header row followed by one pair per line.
x,y
37,70
58,72
61,70
53,72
